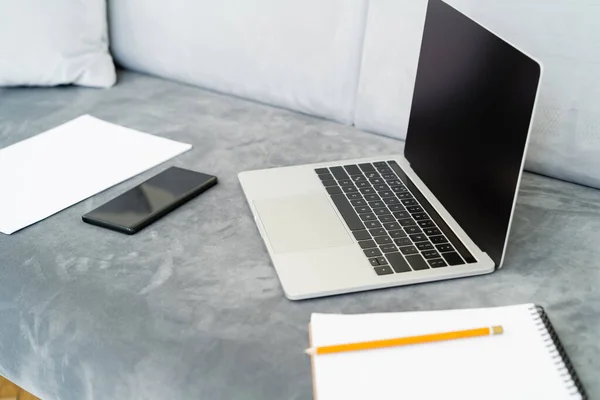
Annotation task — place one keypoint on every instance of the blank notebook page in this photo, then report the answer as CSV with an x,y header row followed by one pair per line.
x,y
515,365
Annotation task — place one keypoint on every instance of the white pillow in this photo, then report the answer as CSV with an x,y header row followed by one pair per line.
x,y
47,43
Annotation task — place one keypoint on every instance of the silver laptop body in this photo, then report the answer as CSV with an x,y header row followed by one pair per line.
x,y
362,224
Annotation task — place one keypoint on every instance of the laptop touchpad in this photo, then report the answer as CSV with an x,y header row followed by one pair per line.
x,y
301,223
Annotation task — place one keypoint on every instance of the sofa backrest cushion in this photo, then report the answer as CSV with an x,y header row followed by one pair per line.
x,y
564,36
298,54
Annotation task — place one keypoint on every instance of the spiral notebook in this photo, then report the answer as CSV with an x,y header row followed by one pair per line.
x,y
527,361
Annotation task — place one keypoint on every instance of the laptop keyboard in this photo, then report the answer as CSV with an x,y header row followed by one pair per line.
x,y
396,227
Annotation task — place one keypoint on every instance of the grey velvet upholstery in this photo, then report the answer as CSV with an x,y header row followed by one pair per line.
x,y
190,308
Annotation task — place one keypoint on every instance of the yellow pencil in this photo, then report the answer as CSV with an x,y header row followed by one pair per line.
x,y
404,341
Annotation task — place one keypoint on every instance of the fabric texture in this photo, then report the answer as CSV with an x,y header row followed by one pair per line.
x,y
48,43
301,54
191,308
563,36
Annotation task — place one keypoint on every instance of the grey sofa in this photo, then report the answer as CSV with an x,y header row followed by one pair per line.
x,y
190,308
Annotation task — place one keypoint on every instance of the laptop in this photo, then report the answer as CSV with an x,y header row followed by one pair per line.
x,y
441,210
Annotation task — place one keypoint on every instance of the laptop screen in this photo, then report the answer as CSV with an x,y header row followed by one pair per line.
x,y
472,106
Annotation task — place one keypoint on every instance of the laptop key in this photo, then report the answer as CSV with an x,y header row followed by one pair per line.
x,y
430,254
363,184
453,258
398,262
366,167
372,197
388,248
329,183
404,195
426,223
386,193
326,177
377,181
397,234
390,201
354,196
437,263
374,262
363,209
349,189
381,211
339,173
389,174
411,230
424,246
367,190
368,217
438,239
399,189
416,262
381,187
383,240
353,169
372,175
386,218
407,250
347,212
358,178
414,209
401,214
358,203
420,216
373,224
321,171
443,248
419,237
372,252
383,270
377,204
334,190
378,232
367,244
396,207
407,222
432,231
380,164
382,260
402,242
345,182
361,235
409,202
390,226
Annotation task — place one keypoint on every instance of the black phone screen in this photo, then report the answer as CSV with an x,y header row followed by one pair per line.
x,y
151,199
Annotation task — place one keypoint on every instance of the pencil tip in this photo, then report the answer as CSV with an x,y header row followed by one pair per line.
x,y
310,352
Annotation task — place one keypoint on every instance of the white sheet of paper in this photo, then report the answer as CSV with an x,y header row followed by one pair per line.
x,y
516,365
49,172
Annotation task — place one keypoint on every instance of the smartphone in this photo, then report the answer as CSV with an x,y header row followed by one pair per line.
x,y
151,200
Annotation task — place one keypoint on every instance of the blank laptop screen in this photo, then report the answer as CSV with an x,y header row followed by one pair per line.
x,y
472,107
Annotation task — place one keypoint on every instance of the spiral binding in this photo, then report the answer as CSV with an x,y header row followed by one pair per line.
x,y
566,369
